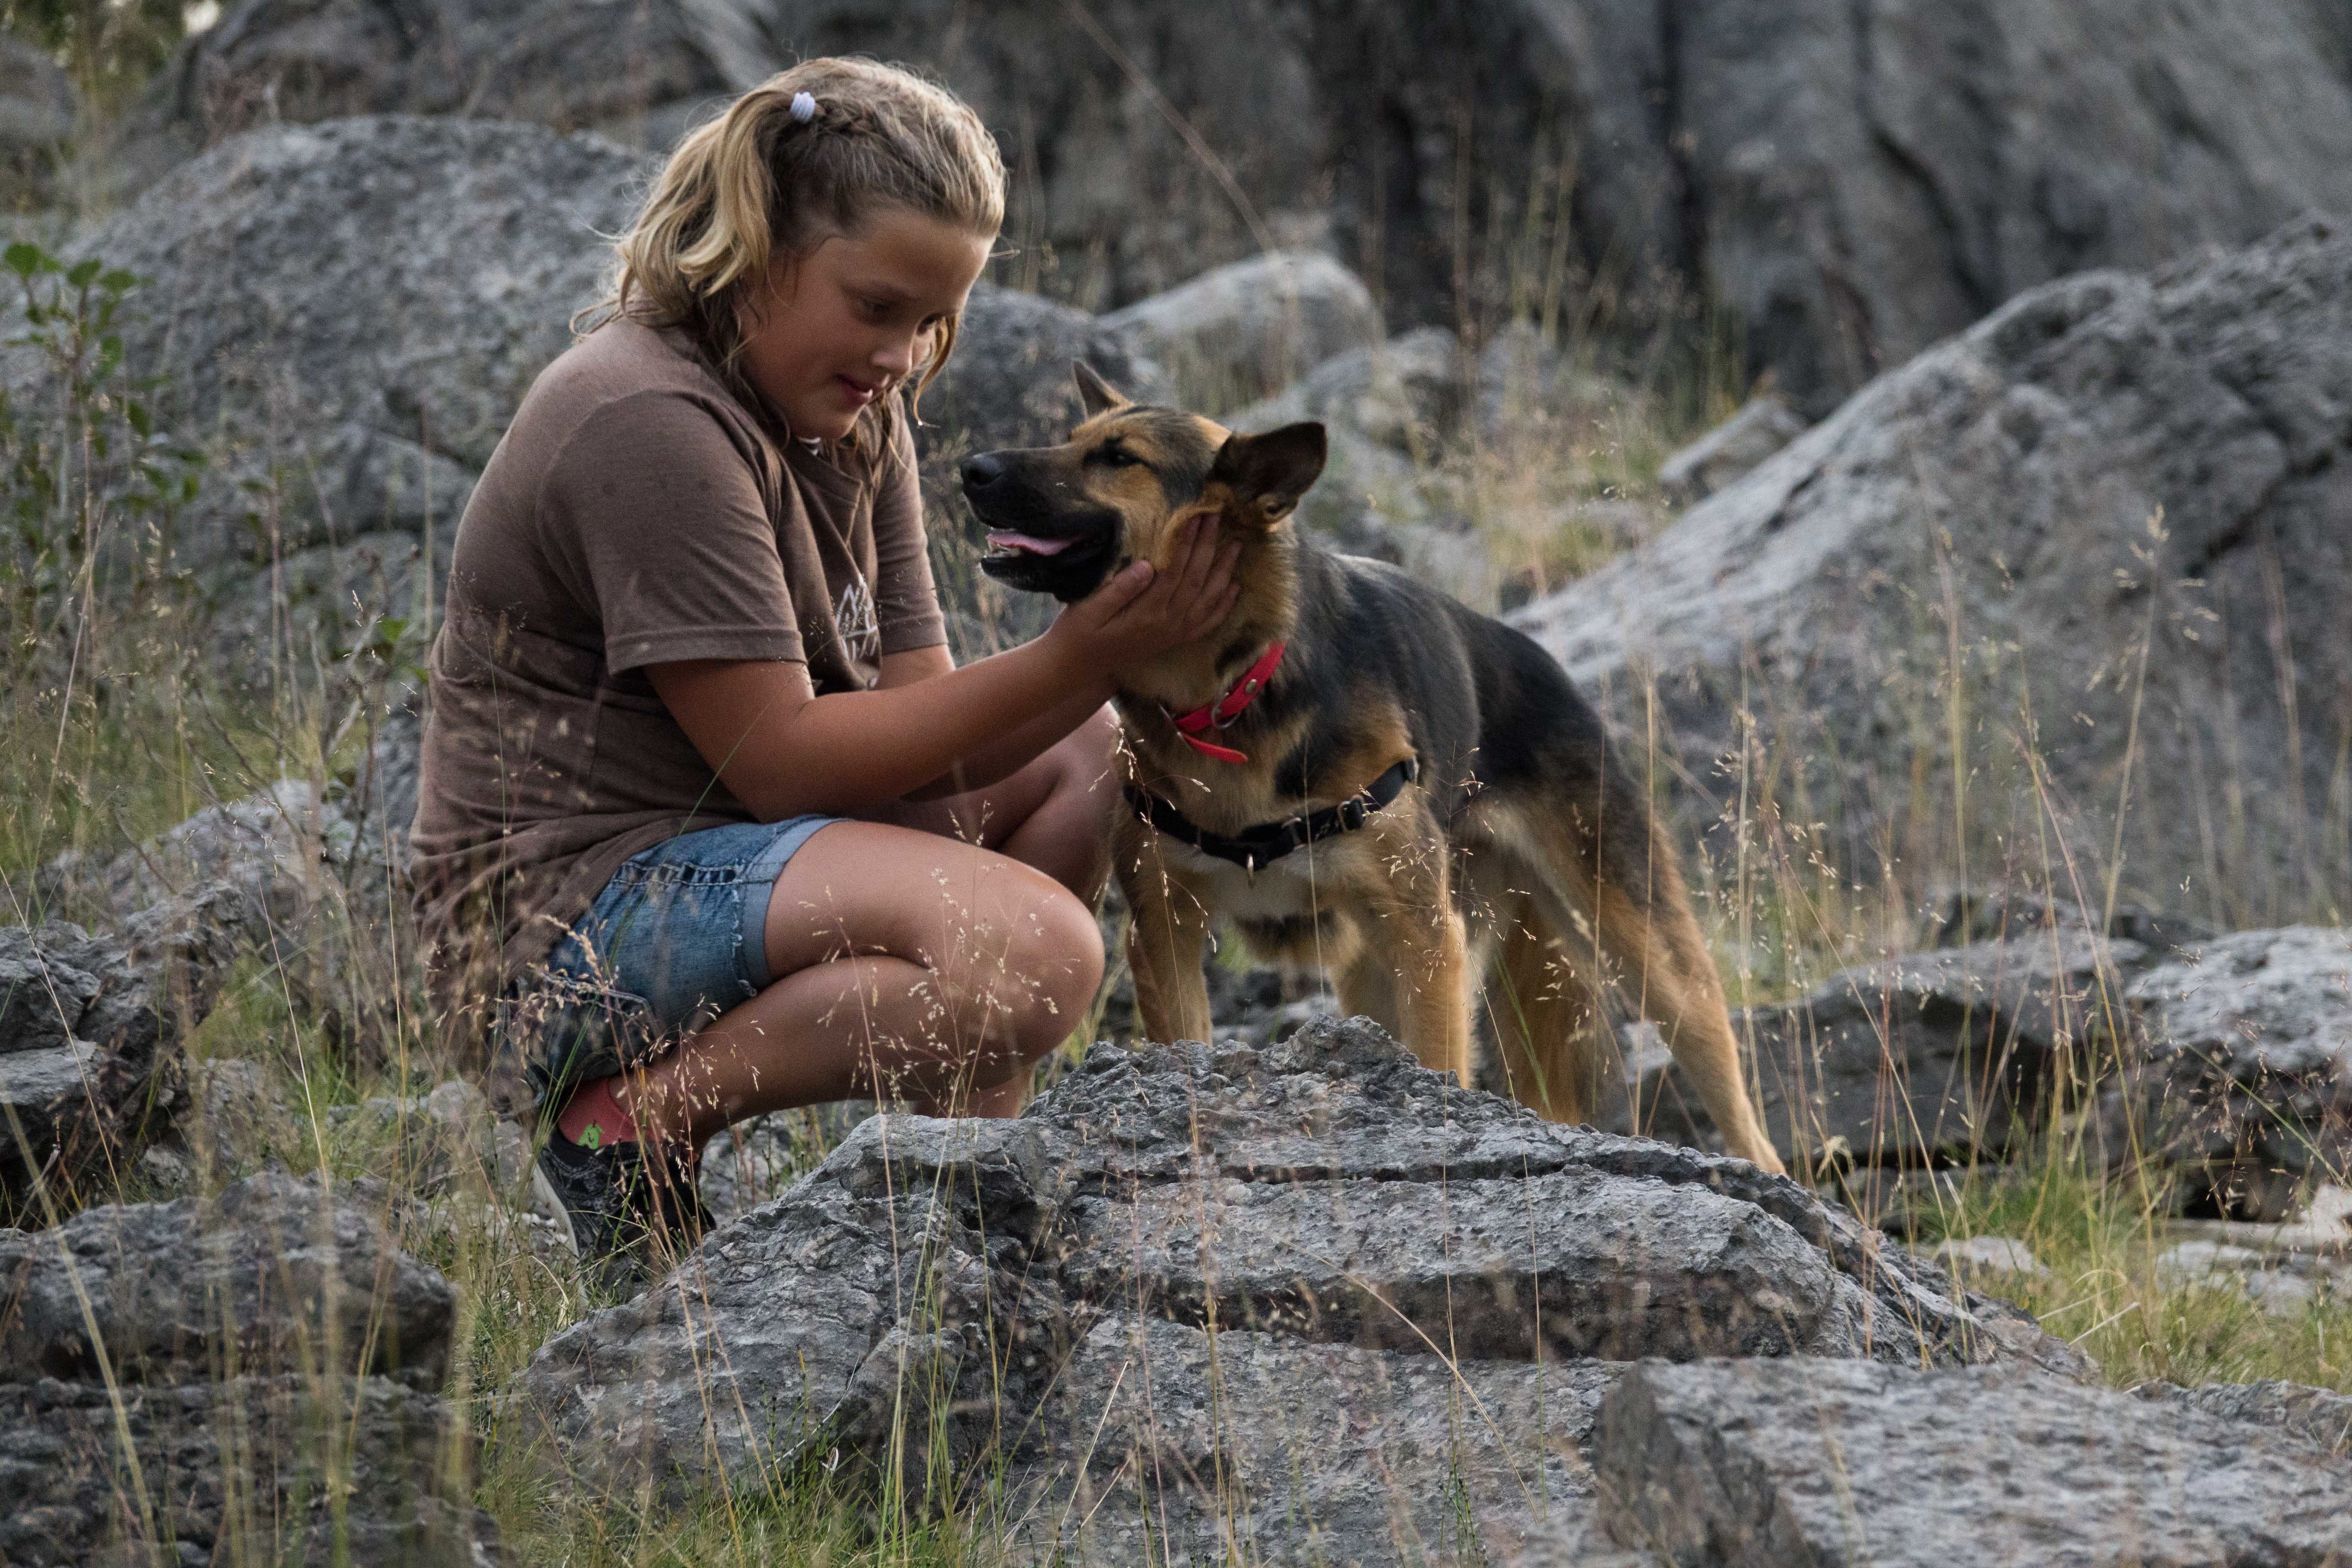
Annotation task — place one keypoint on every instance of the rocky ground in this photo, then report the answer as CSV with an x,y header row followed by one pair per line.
x,y
1305,1301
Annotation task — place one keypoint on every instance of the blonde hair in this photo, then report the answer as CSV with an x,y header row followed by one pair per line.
x,y
760,181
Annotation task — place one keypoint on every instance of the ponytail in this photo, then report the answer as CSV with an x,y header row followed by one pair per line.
x,y
811,151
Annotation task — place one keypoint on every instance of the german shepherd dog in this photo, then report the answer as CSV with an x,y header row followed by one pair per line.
x,y
1363,775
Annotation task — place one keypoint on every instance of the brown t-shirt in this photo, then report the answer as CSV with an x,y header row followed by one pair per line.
x,y
635,513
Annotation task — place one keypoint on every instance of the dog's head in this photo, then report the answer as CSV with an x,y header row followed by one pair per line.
x,y
1060,520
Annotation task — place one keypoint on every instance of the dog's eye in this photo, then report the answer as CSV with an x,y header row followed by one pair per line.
x,y
1116,457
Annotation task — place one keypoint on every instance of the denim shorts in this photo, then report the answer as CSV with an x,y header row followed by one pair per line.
x,y
677,937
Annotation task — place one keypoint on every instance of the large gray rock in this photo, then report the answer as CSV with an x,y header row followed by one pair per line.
x,y
1956,1054
355,309
1853,183
272,1273
1109,202
1761,1464
2008,483
90,1025
921,1292
2322,1417
1875,178
268,1358
1238,332
2244,1081
1259,1447
89,1064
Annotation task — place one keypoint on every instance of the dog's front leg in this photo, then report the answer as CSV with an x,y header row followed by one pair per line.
x,y
1168,918
1419,939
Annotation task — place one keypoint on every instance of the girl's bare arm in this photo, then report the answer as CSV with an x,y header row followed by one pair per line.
x,y
783,750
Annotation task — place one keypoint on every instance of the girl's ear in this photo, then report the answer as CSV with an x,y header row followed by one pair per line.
x,y
1268,474
1096,394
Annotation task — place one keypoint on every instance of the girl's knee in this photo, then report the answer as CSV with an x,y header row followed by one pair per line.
x,y
1041,985
1063,969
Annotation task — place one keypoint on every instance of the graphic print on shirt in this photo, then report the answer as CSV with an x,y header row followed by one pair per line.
x,y
860,632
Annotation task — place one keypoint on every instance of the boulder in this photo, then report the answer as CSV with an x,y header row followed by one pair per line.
x,y
2244,1085
1767,1463
87,1060
1239,1446
90,1025
1974,1255
759,1159
275,847
2130,487
1875,180
1953,1054
2283,1284
260,1367
1960,917
1764,425
918,1297
1851,184
1111,204
1241,332
362,376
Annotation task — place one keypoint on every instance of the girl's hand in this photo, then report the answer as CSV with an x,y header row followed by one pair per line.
x,y
1142,613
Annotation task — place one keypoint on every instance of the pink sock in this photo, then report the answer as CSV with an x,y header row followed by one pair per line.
x,y
594,1118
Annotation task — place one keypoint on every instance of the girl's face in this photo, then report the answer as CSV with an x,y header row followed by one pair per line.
x,y
838,327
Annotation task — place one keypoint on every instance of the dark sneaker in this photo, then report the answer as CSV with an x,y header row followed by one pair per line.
x,y
626,1213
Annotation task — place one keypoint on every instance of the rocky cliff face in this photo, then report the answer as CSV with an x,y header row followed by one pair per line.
x,y
1853,181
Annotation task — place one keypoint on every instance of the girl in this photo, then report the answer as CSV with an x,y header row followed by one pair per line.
x,y
706,809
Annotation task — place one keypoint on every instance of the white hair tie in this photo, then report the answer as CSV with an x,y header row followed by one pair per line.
x,y
803,106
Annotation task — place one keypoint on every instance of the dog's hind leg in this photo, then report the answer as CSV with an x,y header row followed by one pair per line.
x,y
1627,878
1548,1020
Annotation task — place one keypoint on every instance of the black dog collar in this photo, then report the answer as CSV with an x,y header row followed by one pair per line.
x,y
1270,841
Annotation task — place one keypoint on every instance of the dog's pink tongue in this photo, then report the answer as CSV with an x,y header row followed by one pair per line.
x,y
1024,541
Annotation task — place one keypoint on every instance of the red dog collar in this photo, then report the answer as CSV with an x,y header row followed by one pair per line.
x,y
1226,708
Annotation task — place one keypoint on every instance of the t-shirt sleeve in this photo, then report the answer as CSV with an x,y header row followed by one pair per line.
x,y
906,600
657,512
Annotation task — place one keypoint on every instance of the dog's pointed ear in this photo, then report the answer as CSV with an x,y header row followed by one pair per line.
x,y
1096,394
1268,474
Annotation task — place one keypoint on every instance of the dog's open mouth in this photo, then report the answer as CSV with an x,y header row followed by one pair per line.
x,y
1067,565
1005,546
1040,539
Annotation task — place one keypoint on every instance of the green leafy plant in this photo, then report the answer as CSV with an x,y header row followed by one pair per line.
x,y
88,478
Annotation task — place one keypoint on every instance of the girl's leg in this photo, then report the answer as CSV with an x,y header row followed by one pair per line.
x,y
1054,813
912,962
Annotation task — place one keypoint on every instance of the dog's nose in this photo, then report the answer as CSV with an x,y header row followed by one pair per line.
x,y
981,470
